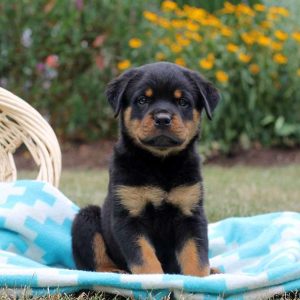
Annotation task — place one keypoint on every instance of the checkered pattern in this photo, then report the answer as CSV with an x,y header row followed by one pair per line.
x,y
260,255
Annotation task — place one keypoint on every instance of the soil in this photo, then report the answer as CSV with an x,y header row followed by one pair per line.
x,y
97,155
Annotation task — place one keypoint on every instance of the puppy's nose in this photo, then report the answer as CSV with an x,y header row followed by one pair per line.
x,y
162,119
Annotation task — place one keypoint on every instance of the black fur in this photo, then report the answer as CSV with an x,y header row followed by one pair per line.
x,y
165,227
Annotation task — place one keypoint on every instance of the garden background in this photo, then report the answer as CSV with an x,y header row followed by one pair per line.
x,y
59,56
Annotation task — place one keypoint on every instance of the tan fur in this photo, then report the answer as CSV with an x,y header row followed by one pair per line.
x,y
185,197
102,261
135,198
151,264
149,92
189,260
141,129
177,94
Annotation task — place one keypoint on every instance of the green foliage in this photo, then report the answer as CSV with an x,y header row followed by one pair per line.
x,y
59,55
251,54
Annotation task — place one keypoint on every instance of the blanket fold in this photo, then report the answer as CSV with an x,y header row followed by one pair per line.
x,y
259,255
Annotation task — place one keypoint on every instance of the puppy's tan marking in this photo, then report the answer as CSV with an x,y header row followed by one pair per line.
x,y
151,264
102,261
141,129
185,197
189,260
135,198
149,92
177,94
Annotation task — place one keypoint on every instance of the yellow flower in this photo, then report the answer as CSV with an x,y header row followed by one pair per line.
x,y
193,36
124,64
266,24
175,48
298,72
244,57
135,43
168,5
228,8
296,36
254,69
225,31
276,46
178,23
183,41
259,7
180,61
279,10
232,47
206,64
160,56
221,76
264,40
210,57
163,22
244,9
247,38
150,16
192,26
280,58
281,35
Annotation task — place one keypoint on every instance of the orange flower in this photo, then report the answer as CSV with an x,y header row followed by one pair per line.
x,y
221,76
259,7
281,35
206,64
175,48
150,16
180,61
244,57
276,46
232,47
135,43
296,36
254,69
280,58
225,31
168,5
247,38
124,64
264,40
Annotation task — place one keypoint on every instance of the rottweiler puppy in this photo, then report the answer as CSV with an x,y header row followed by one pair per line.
x,y
153,219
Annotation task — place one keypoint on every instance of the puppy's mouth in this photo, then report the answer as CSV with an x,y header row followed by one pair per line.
x,y
162,141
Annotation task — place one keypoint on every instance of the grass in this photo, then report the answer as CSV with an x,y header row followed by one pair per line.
x,y
234,191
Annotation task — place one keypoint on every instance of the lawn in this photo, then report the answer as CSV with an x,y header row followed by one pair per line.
x,y
229,191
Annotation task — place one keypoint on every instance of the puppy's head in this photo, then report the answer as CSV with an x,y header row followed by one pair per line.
x,y
161,105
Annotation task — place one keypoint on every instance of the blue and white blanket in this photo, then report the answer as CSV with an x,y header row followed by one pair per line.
x,y
260,256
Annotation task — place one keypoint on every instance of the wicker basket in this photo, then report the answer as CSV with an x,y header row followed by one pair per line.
x,y
21,124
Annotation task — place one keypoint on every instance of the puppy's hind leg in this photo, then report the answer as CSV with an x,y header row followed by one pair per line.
x,y
88,246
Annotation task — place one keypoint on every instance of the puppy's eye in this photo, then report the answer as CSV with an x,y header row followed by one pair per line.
x,y
182,102
142,100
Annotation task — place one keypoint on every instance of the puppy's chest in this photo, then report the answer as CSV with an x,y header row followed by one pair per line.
x,y
136,198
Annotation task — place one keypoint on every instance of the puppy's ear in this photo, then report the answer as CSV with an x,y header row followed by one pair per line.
x,y
208,94
116,88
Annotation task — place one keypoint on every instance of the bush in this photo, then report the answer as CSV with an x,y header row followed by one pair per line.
x,y
60,54
252,54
